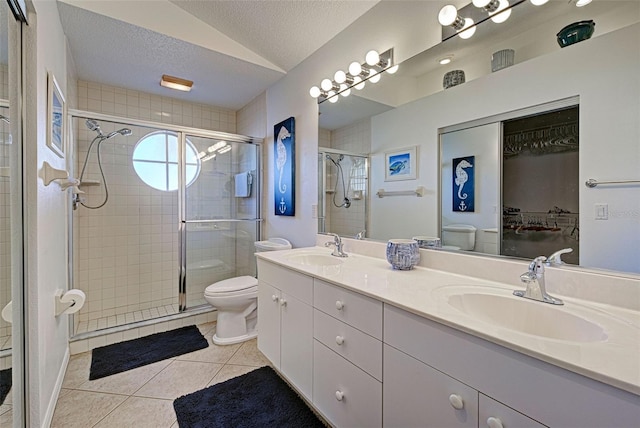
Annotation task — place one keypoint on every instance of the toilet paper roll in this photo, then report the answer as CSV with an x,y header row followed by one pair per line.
x,y
75,296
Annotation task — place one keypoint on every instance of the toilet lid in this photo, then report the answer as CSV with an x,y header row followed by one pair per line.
x,y
232,284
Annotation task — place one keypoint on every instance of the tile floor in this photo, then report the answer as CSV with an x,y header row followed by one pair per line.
x,y
143,397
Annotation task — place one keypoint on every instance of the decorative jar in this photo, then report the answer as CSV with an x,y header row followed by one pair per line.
x,y
403,254
453,78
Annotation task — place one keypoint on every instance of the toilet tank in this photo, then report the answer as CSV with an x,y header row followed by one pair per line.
x,y
272,244
459,235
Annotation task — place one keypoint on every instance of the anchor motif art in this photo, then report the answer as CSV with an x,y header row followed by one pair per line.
x,y
285,161
463,184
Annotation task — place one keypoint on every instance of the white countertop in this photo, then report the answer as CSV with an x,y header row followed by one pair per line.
x,y
425,292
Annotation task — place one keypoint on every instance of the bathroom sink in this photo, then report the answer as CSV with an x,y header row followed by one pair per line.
x,y
525,316
315,260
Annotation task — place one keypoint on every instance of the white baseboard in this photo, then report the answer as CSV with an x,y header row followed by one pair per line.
x,y
51,408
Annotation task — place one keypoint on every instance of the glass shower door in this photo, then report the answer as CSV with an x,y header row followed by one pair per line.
x,y
220,215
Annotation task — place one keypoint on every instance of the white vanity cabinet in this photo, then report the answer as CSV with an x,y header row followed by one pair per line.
x,y
285,323
347,356
516,389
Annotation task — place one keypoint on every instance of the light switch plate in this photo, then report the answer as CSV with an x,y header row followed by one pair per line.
x,y
602,211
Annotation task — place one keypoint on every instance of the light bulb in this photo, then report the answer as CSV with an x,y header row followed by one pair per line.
x,y
392,70
374,76
358,83
355,68
332,97
314,92
501,15
372,57
538,2
344,90
481,3
581,3
340,77
326,84
470,29
447,15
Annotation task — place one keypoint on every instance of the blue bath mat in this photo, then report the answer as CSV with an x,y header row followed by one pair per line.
x,y
123,356
257,399
5,384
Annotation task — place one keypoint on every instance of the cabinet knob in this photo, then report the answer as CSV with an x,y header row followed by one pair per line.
x,y
494,422
339,395
339,305
339,340
274,298
457,402
283,302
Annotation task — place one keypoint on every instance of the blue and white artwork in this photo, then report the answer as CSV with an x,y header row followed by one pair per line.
x,y
285,167
463,184
401,164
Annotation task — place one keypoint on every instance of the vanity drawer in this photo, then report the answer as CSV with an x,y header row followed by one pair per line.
x,y
361,312
291,282
344,394
361,349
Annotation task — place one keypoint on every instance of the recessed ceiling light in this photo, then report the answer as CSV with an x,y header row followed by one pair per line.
x,y
446,60
581,3
176,83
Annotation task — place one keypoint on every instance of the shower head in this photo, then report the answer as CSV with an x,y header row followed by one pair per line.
x,y
124,132
93,126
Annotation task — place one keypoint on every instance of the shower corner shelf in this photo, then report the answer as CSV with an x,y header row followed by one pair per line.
x,y
87,183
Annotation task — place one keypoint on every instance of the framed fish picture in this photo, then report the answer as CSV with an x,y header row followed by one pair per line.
x,y
284,187
463,182
401,164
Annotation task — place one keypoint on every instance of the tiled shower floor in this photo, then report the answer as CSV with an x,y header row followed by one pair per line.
x,y
126,318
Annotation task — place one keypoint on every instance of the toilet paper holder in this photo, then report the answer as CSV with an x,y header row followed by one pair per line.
x,y
68,302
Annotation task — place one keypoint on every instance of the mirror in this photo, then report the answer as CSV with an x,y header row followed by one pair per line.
x,y
418,117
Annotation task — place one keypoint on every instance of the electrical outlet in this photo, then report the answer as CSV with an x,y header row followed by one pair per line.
x,y
602,211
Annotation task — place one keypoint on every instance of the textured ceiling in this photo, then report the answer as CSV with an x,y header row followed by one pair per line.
x,y
133,51
284,32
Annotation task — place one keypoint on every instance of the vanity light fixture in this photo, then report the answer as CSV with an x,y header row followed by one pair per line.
x,y
448,16
357,74
177,83
498,10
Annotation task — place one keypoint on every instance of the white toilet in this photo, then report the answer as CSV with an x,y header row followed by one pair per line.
x,y
458,237
236,300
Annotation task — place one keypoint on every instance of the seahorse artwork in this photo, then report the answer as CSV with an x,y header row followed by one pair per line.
x,y
284,165
463,189
462,177
281,158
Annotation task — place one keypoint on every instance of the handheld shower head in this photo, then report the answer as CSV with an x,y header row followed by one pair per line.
x,y
124,132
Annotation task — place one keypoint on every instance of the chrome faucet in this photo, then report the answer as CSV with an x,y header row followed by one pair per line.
x,y
337,243
534,279
360,235
554,259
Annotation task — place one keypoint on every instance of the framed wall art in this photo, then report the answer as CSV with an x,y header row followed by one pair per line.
x,y
463,182
56,116
401,164
284,167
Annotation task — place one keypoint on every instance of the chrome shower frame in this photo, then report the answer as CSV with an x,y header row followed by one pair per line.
x,y
182,132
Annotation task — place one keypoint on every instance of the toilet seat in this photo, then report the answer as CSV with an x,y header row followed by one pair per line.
x,y
232,286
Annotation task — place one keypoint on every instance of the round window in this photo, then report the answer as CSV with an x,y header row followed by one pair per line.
x,y
155,160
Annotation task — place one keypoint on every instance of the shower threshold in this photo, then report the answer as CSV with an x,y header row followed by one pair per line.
x,y
139,320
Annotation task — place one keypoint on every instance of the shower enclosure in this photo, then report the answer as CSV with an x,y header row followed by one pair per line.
x,y
343,192
166,211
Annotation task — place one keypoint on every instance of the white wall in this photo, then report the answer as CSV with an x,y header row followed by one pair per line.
x,y
45,216
408,30
603,72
